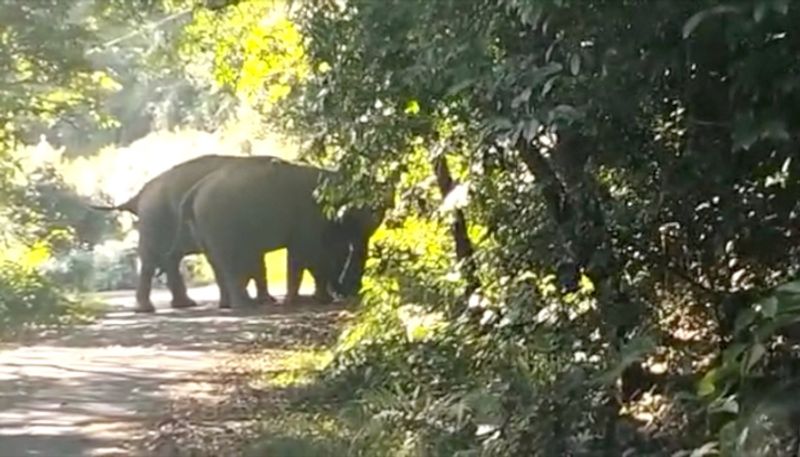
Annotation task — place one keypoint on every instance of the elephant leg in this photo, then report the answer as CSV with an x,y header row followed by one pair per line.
x,y
236,278
321,293
224,296
244,283
237,291
148,270
180,299
260,279
294,275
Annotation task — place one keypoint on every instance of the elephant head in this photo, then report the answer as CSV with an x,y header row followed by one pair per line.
x,y
350,236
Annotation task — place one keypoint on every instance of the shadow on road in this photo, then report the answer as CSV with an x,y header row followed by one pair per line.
x,y
89,392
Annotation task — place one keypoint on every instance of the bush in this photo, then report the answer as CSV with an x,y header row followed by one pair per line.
x,y
399,340
29,299
110,266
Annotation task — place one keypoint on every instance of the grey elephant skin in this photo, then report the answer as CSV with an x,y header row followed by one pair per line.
x,y
161,244
276,208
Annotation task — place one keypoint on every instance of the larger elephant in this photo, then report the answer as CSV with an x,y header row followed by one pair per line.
x,y
243,210
157,205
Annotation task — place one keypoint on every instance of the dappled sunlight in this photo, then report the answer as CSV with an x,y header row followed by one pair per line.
x,y
256,384
103,382
287,368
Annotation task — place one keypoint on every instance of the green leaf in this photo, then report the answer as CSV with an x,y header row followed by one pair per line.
x,y
694,21
468,453
575,64
754,355
732,353
760,10
707,385
788,303
412,108
767,330
532,14
565,112
727,404
727,438
792,287
548,86
542,73
522,98
769,306
743,319
531,129
499,124
455,89
710,448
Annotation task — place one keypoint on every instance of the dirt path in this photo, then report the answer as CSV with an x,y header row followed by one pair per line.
x,y
95,391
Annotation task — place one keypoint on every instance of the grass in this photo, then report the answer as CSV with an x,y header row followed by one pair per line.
x,y
289,431
296,368
299,434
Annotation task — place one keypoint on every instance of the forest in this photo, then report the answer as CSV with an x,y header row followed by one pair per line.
x,y
592,247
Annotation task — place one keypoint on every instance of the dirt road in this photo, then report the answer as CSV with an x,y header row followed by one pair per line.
x,y
94,391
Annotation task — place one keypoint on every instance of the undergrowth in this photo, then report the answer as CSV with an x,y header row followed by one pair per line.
x,y
400,380
31,302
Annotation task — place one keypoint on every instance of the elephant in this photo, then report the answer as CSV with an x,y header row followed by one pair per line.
x,y
157,205
276,208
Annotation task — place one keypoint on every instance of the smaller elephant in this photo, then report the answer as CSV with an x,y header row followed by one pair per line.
x,y
241,211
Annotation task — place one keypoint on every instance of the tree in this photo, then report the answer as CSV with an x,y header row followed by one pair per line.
x,y
645,146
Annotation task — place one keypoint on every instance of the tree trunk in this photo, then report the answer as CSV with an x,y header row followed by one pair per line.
x,y
464,249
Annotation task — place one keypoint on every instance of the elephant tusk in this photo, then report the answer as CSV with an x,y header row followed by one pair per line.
x,y
346,265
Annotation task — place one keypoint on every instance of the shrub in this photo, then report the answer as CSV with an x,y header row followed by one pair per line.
x,y
29,299
110,266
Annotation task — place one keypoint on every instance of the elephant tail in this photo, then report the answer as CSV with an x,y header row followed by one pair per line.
x,y
130,206
185,217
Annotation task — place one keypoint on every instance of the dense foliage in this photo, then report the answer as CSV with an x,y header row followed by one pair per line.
x,y
91,73
621,188
30,301
64,76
